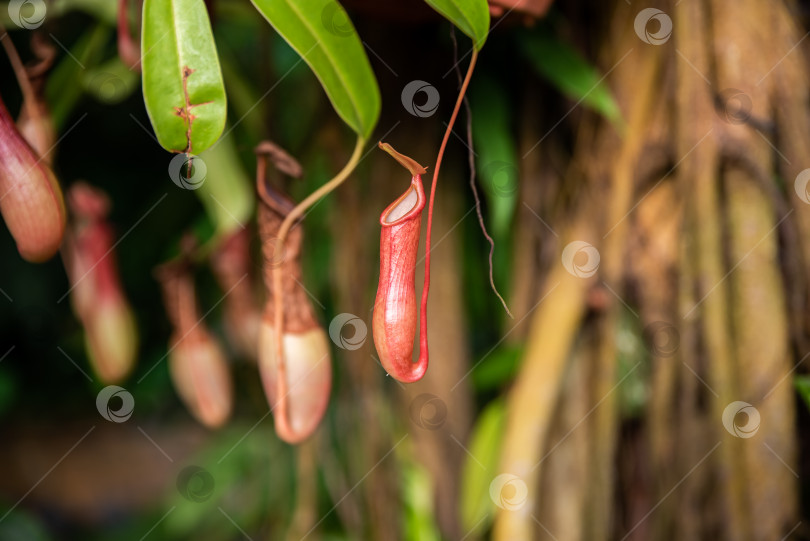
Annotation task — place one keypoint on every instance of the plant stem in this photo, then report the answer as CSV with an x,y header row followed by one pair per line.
x,y
423,343
278,305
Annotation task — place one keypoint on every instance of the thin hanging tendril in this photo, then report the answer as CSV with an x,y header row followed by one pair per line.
x,y
471,158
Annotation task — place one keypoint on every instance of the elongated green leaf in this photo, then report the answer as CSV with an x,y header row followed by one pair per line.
x,y
470,16
563,67
182,82
477,508
417,498
227,192
322,34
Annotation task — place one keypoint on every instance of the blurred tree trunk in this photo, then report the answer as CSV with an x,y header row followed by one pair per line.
x,y
704,245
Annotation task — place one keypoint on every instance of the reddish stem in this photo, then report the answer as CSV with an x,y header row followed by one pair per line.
x,y
421,365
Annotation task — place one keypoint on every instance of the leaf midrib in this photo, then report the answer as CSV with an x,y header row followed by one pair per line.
x,y
180,69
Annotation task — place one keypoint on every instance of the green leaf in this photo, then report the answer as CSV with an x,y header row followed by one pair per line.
x,y
182,82
417,498
802,384
322,34
563,67
477,508
227,192
470,16
498,368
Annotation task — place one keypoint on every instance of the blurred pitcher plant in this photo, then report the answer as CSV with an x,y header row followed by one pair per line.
x,y
298,381
197,363
96,293
31,199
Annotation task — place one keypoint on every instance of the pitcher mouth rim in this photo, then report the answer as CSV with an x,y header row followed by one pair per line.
x,y
416,185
